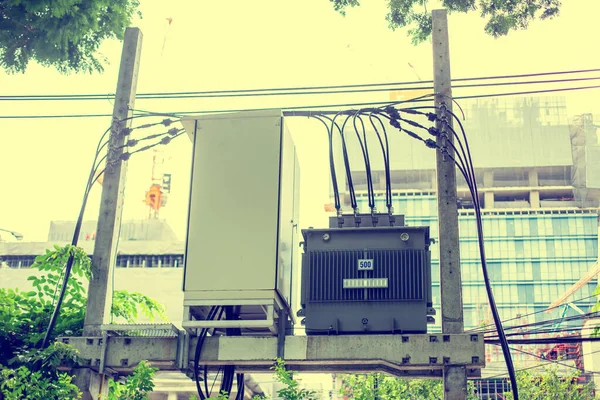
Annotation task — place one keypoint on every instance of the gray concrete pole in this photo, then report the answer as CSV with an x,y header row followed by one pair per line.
x,y
109,219
455,378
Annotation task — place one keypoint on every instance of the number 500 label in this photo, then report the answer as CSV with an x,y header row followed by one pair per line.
x,y
365,265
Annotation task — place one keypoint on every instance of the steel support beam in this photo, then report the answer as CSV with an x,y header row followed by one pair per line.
x,y
428,355
455,378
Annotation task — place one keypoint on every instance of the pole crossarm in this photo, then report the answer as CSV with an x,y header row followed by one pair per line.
x,y
422,355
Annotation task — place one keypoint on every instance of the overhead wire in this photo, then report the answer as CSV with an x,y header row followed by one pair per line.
x,y
326,89
544,365
543,323
478,329
289,110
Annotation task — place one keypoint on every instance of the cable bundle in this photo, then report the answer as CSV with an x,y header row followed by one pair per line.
x,y
460,156
93,177
231,313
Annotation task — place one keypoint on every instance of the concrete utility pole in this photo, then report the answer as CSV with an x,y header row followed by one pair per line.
x,y
109,219
455,378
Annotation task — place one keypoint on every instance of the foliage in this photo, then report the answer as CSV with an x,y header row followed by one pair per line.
x,y
502,16
292,390
23,384
24,317
64,34
31,373
549,385
136,386
125,305
380,386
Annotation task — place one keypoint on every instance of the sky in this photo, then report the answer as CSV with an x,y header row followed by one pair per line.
x,y
212,45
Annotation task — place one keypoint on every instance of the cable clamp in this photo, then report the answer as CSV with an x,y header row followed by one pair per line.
x,y
433,131
431,144
392,112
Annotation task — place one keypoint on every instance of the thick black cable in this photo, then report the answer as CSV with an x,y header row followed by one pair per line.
x,y
347,164
201,336
495,314
344,157
475,196
231,313
336,192
365,153
74,241
385,149
241,387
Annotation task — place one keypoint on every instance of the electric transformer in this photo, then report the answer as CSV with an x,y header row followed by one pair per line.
x,y
373,276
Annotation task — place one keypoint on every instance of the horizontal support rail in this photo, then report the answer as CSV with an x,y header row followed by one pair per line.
x,y
423,355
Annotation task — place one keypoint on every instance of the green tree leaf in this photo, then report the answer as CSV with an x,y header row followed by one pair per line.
x,y
502,16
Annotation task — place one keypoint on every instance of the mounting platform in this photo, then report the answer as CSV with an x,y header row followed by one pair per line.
x,y
414,356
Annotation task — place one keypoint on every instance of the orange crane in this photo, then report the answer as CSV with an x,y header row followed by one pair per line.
x,y
595,270
157,195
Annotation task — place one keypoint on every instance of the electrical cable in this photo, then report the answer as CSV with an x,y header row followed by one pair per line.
x,y
467,169
201,337
74,241
475,195
241,387
385,149
303,90
345,158
347,164
363,146
290,110
549,322
336,192
209,392
93,177
478,329
542,365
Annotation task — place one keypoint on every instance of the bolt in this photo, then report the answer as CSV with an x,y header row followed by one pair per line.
x,y
365,321
404,236
326,237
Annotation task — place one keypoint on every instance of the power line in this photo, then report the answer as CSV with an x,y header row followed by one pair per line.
x,y
542,365
290,110
229,92
478,330
169,96
557,340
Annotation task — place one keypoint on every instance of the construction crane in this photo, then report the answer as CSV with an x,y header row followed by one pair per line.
x,y
593,272
160,187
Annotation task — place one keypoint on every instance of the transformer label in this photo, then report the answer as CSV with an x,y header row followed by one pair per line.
x,y
365,265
